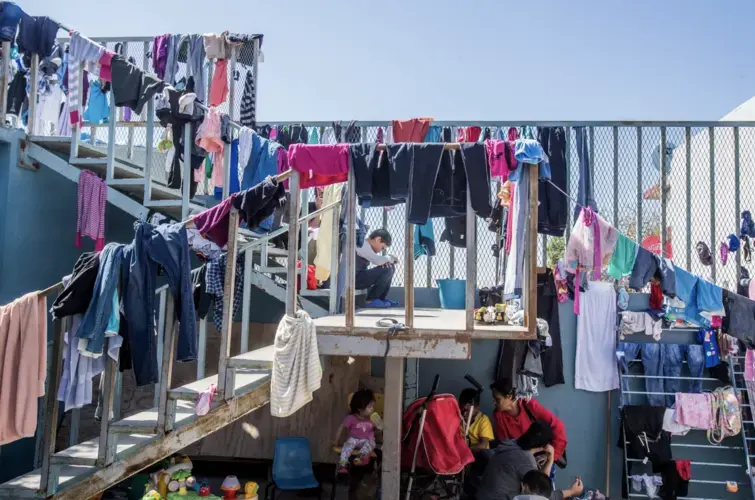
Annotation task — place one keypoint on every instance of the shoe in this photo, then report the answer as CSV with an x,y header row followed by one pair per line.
x,y
377,304
343,471
364,460
392,303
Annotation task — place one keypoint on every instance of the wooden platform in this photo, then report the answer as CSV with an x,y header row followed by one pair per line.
x,y
437,333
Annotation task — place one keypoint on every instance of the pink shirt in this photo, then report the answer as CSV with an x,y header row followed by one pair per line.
x,y
500,158
360,428
319,164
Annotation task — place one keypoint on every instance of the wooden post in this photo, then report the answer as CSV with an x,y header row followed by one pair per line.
x,y
166,367
31,121
471,229
106,450
351,249
408,275
334,306
394,384
294,196
531,267
48,481
4,82
225,386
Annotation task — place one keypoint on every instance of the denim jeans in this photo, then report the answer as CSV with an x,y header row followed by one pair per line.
x,y
652,365
166,246
585,197
673,355
376,280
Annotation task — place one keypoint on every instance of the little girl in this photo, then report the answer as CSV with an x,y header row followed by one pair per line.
x,y
360,428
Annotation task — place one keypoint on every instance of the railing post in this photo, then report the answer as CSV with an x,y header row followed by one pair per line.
x,y
163,305
226,170
471,230
334,306
201,348
688,174
737,202
304,238
166,365
350,249
712,199
4,82
31,121
408,274
615,178
293,235
662,192
106,450
232,89
149,151
639,184
187,173
225,376
530,289
246,305
48,474
76,127
567,137
110,172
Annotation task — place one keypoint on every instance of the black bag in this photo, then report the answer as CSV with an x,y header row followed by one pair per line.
x,y
561,463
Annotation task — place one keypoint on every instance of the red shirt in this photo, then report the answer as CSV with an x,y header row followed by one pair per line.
x,y
510,427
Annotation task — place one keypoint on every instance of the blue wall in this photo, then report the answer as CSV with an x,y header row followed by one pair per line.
x,y
37,247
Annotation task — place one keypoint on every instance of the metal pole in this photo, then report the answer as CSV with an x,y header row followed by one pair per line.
x,y
187,172
408,273
334,306
110,171
616,177
293,234
304,230
4,82
232,89
712,198
48,476
256,75
531,256
226,170
149,151
246,306
471,230
161,314
737,200
202,348
31,121
688,146
225,378
639,184
567,136
662,193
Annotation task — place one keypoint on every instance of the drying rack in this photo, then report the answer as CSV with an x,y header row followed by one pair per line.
x,y
711,465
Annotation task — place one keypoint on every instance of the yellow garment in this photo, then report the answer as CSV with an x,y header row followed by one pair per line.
x,y
325,234
480,428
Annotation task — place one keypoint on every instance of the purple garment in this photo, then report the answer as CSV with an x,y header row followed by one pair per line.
x,y
212,223
160,55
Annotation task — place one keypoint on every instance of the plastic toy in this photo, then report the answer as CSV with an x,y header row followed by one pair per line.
x,y
250,490
229,487
152,495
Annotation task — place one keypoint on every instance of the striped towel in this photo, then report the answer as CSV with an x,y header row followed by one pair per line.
x,y
248,108
296,365
91,209
81,50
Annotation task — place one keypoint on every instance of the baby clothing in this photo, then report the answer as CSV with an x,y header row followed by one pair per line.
x,y
622,261
632,322
652,483
361,436
208,134
671,425
694,410
707,338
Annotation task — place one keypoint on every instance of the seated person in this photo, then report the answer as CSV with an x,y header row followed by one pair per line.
x,y
480,429
512,459
376,280
535,486
512,417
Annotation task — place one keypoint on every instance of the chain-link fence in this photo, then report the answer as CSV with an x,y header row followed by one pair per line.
x,y
705,164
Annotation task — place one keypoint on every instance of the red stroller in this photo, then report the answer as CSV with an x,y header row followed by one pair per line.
x,y
434,445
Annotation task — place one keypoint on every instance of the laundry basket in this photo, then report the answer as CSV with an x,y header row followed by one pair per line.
x,y
452,293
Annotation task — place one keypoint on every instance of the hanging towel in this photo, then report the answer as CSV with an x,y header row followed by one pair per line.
x,y
81,50
320,165
296,365
325,243
23,365
92,199
247,111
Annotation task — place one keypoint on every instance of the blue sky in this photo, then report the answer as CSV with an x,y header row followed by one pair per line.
x,y
481,60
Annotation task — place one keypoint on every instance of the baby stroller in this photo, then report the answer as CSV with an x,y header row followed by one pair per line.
x,y
433,447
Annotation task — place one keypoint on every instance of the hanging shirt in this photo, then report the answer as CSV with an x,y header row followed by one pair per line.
x,y
707,337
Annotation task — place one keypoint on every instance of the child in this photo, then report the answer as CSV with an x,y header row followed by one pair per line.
x,y
360,428
376,280
480,429
535,486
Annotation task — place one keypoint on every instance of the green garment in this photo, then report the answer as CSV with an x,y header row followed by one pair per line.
x,y
622,261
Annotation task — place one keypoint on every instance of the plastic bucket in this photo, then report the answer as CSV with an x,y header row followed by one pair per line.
x,y
452,293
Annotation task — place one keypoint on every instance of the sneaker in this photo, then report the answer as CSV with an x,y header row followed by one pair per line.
x,y
343,471
377,304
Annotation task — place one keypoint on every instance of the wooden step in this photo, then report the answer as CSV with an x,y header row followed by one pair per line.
x,y
325,292
86,453
258,359
145,422
273,270
244,381
27,486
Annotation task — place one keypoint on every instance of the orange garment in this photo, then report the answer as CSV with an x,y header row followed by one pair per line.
x,y
413,130
219,87
23,365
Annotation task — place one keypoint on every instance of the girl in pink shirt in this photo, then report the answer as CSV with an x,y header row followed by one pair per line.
x,y
360,428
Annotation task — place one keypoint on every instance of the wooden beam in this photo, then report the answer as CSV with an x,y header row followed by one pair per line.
x,y
294,200
166,363
530,291
48,480
394,385
350,249
471,231
169,444
458,347
225,388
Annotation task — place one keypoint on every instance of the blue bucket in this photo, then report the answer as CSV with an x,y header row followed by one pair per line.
x,y
452,293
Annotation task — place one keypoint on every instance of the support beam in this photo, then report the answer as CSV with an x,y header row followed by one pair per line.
x,y
350,249
293,236
48,480
246,306
225,383
166,368
394,384
530,316
471,230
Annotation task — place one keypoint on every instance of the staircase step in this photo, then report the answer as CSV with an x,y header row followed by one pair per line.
x,y
259,358
126,182
86,453
245,381
89,161
273,270
325,292
27,486
145,422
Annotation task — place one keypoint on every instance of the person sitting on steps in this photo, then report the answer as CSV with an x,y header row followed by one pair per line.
x,y
376,280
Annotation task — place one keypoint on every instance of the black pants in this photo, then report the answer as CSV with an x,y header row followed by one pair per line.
x,y
553,210
377,280
547,309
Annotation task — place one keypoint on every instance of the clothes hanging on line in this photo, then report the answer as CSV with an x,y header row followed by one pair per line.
x,y
585,197
319,165
131,86
92,199
413,130
79,287
424,240
98,109
552,214
215,279
642,429
10,17
16,94
36,35
595,366
23,365
247,111
81,50
324,243
219,85
516,235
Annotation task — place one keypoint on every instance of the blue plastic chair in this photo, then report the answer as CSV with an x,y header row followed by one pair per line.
x,y
292,467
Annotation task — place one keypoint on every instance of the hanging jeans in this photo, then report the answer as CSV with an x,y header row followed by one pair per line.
x,y
166,246
652,365
673,354
585,197
551,216
376,280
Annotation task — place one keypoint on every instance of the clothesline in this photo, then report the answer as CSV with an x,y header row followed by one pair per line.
x,y
617,230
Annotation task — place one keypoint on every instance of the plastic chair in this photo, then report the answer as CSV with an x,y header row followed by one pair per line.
x,y
292,467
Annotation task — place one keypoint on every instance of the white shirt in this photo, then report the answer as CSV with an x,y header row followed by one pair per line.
x,y
367,253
